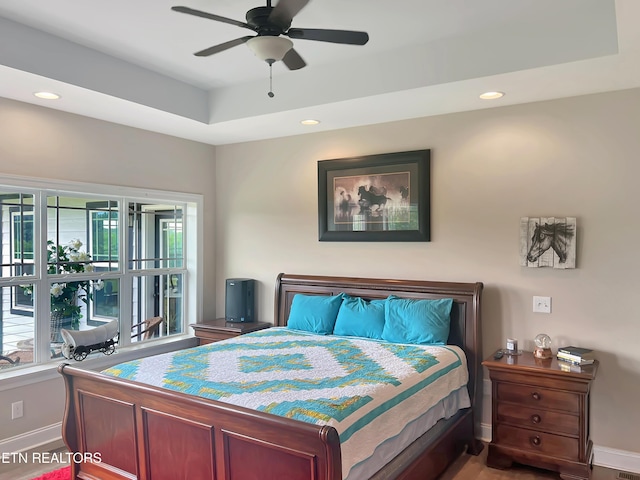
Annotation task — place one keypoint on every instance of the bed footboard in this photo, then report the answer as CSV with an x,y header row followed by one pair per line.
x,y
126,430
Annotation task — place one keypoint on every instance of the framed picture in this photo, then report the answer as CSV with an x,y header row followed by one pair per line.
x,y
376,198
548,242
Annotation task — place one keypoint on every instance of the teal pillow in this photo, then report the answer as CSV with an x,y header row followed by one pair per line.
x,y
358,317
421,322
314,313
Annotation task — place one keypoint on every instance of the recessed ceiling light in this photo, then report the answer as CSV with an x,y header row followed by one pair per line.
x,y
47,95
310,121
491,95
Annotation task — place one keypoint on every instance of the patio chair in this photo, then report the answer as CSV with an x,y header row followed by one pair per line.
x,y
149,328
18,357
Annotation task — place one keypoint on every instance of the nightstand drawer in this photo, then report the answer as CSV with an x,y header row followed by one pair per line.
x,y
219,329
532,396
206,337
538,419
539,442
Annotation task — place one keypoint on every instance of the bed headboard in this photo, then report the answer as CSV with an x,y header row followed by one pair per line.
x,y
465,313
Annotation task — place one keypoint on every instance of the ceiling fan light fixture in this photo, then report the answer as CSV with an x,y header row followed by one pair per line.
x,y
267,47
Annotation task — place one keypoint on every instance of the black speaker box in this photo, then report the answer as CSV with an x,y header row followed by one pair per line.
x,y
240,300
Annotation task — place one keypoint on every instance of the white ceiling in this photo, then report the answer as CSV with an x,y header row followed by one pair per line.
x,y
132,62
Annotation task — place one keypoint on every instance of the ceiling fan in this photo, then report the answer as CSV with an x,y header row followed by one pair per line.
x,y
271,24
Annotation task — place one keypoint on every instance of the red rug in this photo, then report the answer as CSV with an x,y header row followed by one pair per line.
x,y
60,474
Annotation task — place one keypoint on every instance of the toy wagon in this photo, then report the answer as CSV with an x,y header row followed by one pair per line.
x,y
77,344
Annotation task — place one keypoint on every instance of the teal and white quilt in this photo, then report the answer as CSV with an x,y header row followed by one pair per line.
x,y
367,389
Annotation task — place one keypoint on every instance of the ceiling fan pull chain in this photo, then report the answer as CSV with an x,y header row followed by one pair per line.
x,y
271,94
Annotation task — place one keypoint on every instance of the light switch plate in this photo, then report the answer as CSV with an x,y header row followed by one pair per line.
x,y
542,304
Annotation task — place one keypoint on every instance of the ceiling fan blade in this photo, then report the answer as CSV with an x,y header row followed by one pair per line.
x,y
285,10
211,16
221,47
332,36
293,61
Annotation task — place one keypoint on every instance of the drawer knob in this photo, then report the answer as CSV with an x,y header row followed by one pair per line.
x,y
536,396
536,418
536,440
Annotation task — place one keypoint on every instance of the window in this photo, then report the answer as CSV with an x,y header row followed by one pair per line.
x,y
104,232
16,231
22,254
75,274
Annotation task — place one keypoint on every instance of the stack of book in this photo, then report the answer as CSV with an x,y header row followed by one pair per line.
x,y
576,355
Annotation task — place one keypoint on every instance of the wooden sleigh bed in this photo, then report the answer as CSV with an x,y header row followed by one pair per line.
x,y
149,433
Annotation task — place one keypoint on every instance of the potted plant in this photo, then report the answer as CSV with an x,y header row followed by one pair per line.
x,y
65,309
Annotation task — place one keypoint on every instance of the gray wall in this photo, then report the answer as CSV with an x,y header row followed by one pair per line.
x,y
41,142
570,157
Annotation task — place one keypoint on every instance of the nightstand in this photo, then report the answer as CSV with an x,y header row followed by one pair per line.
x,y
540,414
219,329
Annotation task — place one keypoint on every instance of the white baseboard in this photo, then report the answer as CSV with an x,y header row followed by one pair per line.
x,y
485,432
32,440
616,459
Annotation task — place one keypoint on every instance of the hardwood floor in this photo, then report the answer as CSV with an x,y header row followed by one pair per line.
x,y
467,467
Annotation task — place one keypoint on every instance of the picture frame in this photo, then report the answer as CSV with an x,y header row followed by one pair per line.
x,y
548,242
375,198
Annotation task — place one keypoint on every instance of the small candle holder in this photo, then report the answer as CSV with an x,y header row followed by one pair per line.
x,y
512,347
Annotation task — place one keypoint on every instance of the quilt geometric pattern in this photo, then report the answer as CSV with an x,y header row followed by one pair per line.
x,y
285,372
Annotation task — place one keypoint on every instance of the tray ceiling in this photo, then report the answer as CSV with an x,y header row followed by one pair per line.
x,y
132,62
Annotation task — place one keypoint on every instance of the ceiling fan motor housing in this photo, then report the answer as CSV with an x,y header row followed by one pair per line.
x,y
258,18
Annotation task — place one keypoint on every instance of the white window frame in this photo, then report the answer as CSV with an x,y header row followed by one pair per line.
x,y
193,220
